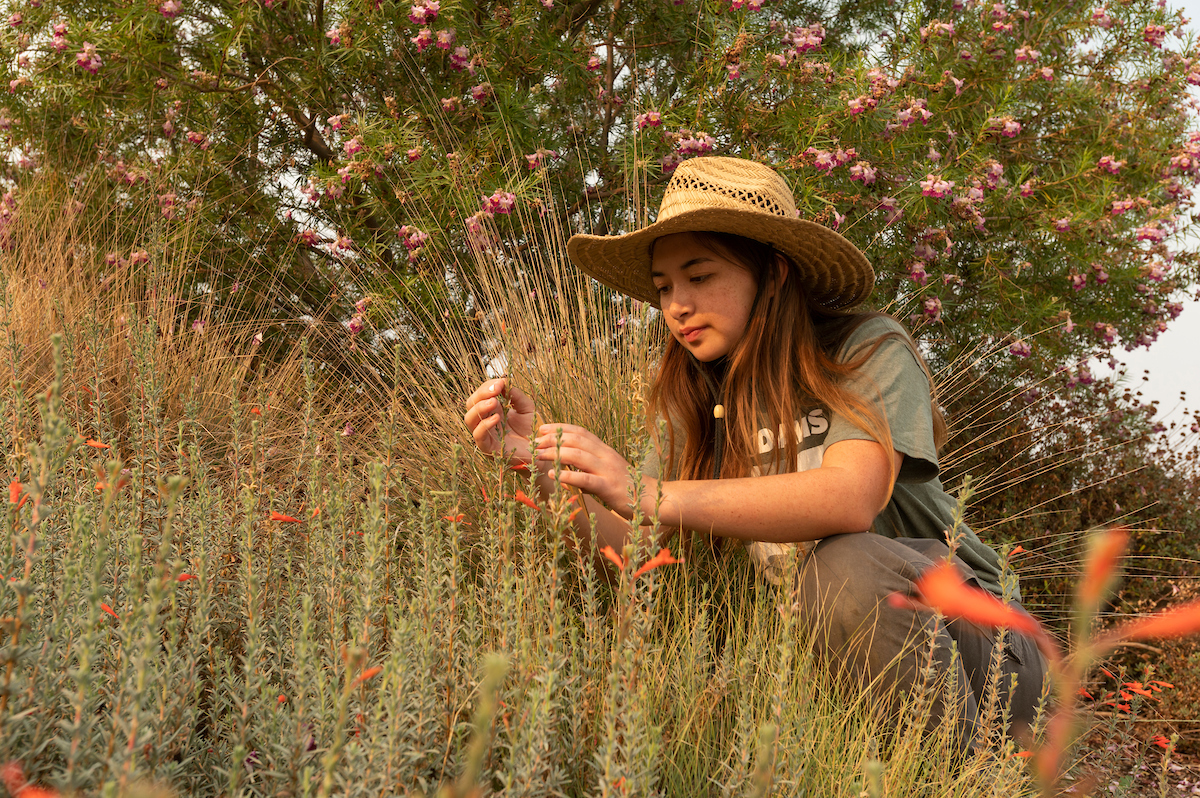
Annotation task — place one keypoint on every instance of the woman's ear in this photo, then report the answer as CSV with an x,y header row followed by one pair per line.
x,y
779,272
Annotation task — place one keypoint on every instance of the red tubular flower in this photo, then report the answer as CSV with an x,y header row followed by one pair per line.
x,y
287,519
1161,741
1179,621
14,492
369,673
943,589
613,557
97,444
109,610
662,558
185,577
1106,553
525,500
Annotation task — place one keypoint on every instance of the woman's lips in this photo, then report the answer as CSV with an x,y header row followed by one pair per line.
x,y
690,334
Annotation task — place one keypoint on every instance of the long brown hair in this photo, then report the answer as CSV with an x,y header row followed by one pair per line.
x,y
784,363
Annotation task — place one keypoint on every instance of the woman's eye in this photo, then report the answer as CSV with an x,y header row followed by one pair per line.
x,y
662,289
699,278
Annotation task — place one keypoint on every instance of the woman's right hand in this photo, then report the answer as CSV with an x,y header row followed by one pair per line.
x,y
487,415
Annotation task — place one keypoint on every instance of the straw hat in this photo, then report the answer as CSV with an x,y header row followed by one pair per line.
x,y
730,195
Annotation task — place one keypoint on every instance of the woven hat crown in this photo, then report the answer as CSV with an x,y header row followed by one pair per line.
x,y
731,183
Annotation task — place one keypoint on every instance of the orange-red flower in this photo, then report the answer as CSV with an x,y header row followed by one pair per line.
x,y
520,468
97,444
525,500
1018,550
1179,621
287,519
1083,693
1167,685
1161,741
662,558
454,519
256,411
943,588
369,673
282,699
1107,549
12,774
613,557
185,577
109,610
574,513
14,492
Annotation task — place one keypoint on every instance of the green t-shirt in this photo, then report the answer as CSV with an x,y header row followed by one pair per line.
x,y
894,384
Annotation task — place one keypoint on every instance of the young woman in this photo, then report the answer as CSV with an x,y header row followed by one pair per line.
x,y
791,419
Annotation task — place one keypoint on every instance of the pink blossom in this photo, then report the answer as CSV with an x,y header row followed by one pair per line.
x,y
1069,326
1011,128
460,59
537,159
594,64
1151,232
170,8
310,238
1101,19
733,71
198,138
167,202
937,28
423,39
860,104
198,325
445,39
936,186
805,39
414,154
958,84
343,242
696,145
481,92
16,19
334,36
669,161
891,208
932,307
59,40
838,219
424,11
917,273
356,325
1027,189
449,104
1156,272
965,55
334,191
1020,349
1105,331
648,119
335,121
823,160
414,239
778,59
1154,35
1110,164
1026,54
1047,73
1121,206
501,201
1062,225
353,147
548,3
863,171
995,175
1078,281
88,59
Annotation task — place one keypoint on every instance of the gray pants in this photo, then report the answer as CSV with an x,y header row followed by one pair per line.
x,y
845,582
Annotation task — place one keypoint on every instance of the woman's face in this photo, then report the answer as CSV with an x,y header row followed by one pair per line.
x,y
705,296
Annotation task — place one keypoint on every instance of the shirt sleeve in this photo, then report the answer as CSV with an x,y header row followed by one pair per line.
x,y
892,382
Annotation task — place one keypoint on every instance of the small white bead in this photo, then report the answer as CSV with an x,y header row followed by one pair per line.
x,y
718,411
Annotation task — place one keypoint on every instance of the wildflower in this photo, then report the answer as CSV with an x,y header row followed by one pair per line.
x,y
917,273
500,202
414,154
282,699
525,500
943,589
1151,232
15,20
286,519
1026,54
1047,73
932,307
696,145
88,59
423,39
481,92
198,325
1109,164
1154,35
1106,551
804,39
449,104
445,39
353,147
424,11
935,186
186,577
1179,621
1083,693
1020,349
334,36
109,610
255,411
1161,741
96,444
662,558
1062,225
648,119
613,557
367,675
536,160
454,519
460,59
170,8
893,210
1101,19
14,492
863,171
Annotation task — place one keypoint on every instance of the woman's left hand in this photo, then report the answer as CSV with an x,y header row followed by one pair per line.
x,y
598,468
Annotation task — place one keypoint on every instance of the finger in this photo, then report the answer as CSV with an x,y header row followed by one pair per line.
x,y
520,402
580,459
484,430
488,390
480,410
552,428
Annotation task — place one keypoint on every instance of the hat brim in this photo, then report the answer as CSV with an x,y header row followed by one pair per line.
x,y
834,272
